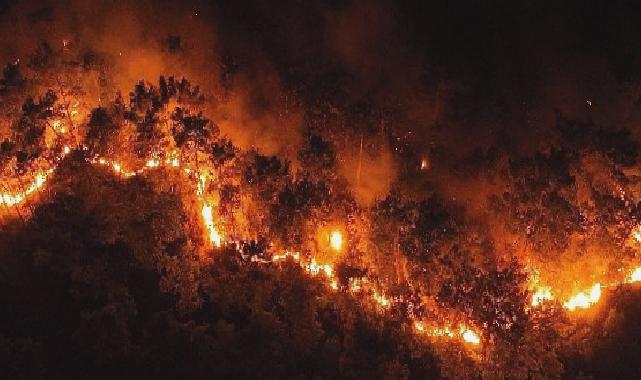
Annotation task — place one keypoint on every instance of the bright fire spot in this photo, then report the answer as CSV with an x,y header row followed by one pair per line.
x,y
542,294
470,336
152,163
336,240
425,164
442,331
635,276
355,285
636,234
208,217
464,333
58,126
381,299
584,300
315,268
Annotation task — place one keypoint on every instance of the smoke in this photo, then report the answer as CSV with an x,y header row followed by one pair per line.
x,y
438,82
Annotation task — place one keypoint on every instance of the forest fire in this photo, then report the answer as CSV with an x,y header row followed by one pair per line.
x,y
210,184
542,294
581,300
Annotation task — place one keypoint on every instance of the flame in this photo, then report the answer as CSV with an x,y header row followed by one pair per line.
x,y
314,268
207,213
584,300
469,336
465,333
208,218
202,181
542,294
381,299
636,234
635,276
355,285
12,199
311,266
58,126
336,240
152,163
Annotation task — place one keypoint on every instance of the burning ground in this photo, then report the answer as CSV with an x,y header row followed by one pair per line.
x,y
205,191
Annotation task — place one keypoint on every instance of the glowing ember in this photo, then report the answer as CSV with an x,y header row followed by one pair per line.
x,y
425,164
336,240
584,300
636,234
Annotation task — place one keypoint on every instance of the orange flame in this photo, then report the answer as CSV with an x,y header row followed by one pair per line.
x,y
336,240
585,299
542,294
